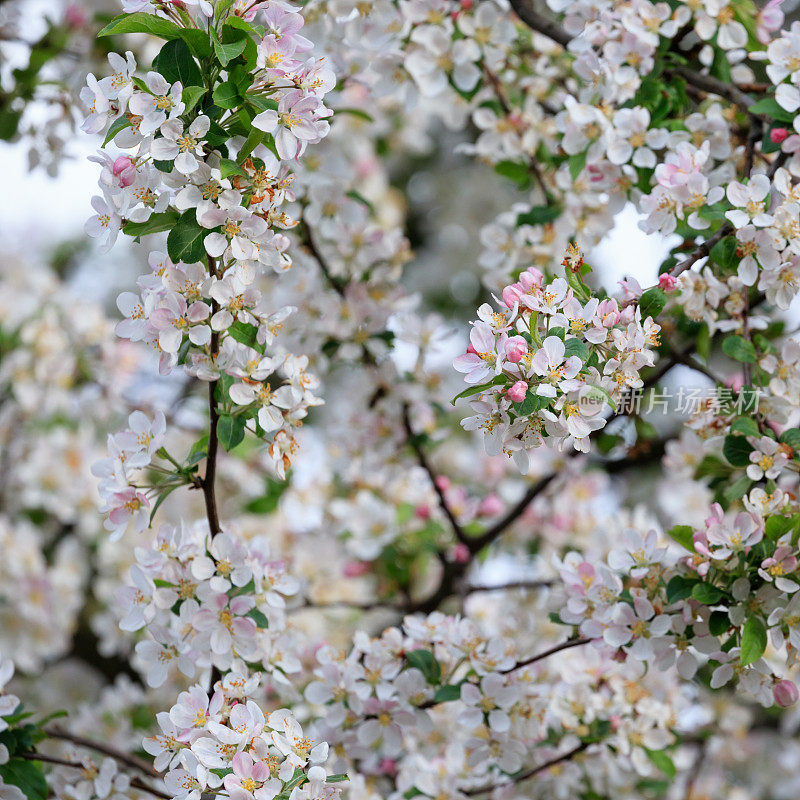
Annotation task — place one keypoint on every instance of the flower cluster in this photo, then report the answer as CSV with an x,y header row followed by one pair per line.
x,y
548,364
208,602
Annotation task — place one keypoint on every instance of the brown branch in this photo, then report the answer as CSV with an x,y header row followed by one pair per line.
x,y
136,783
710,84
207,483
525,10
422,459
100,747
539,656
523,776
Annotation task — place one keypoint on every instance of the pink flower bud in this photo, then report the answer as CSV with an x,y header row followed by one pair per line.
x,y
443,482
124,169
388,766
75,16
608,311
616,721
785,693
516,347
471,349
778,135
531,277
422,511
517,392
459,553
667,282
490,506
511,295
355,569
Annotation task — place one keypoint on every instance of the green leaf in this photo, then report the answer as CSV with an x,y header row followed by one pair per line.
x,y
175,63
155,224
652,302
244,333
514,171
27,776
706,594
532,403
682,534
539,215
254,139
739,349
768,106
448,693
724,253
426,663
481,387
576,347
737,489
747,426
230,431
227,52
791,437
576,164
737,450
117,125
185,240
678,588
226,95
228,168
268,502
192,96
754,640
339,778
139,22
777,525
258,617
718,623
662,761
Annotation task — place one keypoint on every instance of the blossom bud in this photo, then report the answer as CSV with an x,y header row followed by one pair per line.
x,y
490,506
471,349
459,553
778,135
785,693
608,311
124,169
443,482
75,16
531,277
517,392
516,347
355,569
667,282
388,766
422,511
511,294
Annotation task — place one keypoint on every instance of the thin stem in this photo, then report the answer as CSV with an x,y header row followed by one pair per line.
x,y
540,656
422,459
523,776
99,747
136,783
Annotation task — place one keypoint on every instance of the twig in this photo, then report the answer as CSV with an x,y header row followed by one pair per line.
x,y
99,747
539,656
422,459
61,762
523,776
535,21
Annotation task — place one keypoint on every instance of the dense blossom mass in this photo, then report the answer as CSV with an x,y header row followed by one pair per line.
x,y
305,513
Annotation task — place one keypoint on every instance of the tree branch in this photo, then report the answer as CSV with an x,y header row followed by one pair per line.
x,y
208,481
525,10
539,656
523,776
106,750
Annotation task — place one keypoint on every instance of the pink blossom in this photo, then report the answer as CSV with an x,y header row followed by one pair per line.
x,y
785,693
